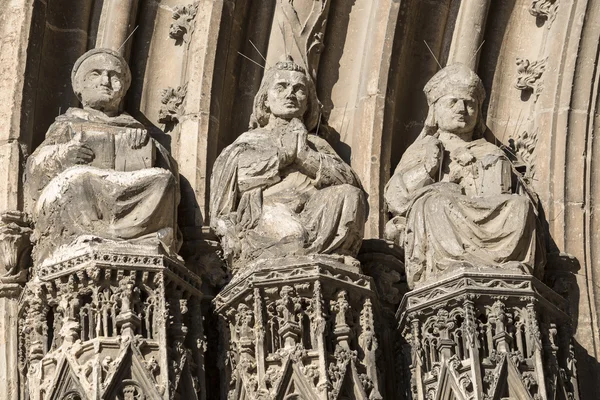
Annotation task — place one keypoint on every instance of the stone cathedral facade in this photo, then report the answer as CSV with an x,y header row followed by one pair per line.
x,y
299,199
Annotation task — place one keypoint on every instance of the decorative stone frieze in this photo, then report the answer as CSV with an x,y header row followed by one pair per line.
x,y
121,320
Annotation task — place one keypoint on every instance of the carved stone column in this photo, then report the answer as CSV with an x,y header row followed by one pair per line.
x,y
488,336
469,31
14,259
15,28
116,24
303,327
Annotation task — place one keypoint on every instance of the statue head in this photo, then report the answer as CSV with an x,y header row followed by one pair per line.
x,y
100,80
287,92
455,97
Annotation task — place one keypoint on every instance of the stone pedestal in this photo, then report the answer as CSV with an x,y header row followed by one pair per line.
x,y
112,321
488,335
299,328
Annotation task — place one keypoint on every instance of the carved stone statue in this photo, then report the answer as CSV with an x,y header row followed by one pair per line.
x,y
98,175
456,198
278,190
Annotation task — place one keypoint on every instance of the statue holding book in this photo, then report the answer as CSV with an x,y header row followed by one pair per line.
x,y
98,175
456,198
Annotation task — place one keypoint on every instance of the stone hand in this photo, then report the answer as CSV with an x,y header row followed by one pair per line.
x,y
137,137
302,143
289,142
489,160
433,156
75,152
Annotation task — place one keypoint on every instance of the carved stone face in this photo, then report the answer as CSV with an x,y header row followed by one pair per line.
x,y
288,94
101,82
457,114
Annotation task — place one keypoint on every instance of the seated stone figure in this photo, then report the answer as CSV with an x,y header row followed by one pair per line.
x,y
279,191
98,175
455,197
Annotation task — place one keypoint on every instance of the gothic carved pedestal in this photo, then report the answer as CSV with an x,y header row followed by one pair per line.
x,y
489,335
299,328
112,322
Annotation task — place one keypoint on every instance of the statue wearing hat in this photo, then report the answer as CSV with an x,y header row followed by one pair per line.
x,y
98,176
456,199
278,190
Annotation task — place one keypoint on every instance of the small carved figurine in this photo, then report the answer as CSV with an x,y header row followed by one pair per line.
x,y
278,190
98,175
455,197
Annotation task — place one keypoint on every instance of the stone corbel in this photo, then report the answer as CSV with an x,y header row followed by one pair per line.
x,y
15,249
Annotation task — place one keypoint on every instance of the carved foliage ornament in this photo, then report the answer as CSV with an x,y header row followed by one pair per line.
x,y
524,147
15,245
544,9
172,108
529,75
183,26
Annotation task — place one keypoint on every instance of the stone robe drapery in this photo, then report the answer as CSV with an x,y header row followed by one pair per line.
x,y
261,209
85,202
454,206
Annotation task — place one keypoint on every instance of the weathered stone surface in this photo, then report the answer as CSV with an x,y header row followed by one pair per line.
x,y
109,310
278,190
456,198
98,175
109,319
